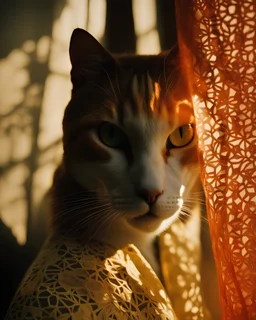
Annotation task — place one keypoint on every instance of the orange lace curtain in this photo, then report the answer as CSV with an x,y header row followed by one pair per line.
x,y
217,39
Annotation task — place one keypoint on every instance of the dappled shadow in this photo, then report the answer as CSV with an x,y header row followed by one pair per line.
x,y
24,70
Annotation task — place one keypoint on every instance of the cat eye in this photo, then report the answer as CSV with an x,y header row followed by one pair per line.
x,y
112,136
180,137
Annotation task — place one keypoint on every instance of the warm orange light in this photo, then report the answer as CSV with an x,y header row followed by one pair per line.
x,y
184,109
155,97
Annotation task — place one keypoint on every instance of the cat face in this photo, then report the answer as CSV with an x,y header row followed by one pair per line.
x,y
129,135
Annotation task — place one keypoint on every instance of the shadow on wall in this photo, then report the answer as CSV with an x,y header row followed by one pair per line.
x,y
25,30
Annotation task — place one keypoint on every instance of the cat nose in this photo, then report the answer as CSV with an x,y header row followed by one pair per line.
x,y
150,196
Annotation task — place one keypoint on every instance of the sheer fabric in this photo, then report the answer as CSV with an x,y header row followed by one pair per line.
x,y
217,40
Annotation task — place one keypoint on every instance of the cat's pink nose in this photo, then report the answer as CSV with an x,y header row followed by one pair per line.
x,y
150,196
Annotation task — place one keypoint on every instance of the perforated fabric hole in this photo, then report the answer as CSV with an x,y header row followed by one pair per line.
x,y
218,49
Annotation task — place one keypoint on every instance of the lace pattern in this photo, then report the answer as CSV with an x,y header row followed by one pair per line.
x,y
218,46
71,280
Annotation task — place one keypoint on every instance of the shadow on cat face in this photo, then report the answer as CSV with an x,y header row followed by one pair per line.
x,y
129,136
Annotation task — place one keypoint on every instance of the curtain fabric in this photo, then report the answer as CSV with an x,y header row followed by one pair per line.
x,y
217,40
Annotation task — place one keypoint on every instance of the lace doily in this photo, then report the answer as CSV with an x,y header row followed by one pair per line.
x,y
218,48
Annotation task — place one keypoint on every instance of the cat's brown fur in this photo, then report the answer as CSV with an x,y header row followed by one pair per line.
x,y
128,194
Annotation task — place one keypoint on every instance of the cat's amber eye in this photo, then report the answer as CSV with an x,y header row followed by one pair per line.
x,y
112,136
180,137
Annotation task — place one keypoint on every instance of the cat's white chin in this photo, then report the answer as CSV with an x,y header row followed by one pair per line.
x,y
150,222
147,223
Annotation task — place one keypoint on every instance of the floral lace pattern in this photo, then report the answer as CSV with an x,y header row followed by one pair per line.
x,y
70,280
218,47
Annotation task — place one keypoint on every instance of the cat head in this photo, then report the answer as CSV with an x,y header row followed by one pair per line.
x,y
129,134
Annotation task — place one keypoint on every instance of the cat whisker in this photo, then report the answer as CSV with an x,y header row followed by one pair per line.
x,y
106,91
159,77
169,85
82,192
78,201
197,193
81,224
188,212
68,216
185,213
166,62
73,201
185,209
117,83
92,216
106,106
164,69
111,84
170,82
105,221
194,201
64,213
197,198
80,209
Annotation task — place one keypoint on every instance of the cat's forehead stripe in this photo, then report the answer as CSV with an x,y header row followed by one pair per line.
x,y
155,97
141,92
148,98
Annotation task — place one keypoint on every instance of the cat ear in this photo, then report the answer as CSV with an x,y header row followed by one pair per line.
x,y
86,55
171,58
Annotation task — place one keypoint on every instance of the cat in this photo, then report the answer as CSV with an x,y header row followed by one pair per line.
x,y
130,156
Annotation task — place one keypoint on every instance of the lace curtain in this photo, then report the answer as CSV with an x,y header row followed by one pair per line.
x,y
217,39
